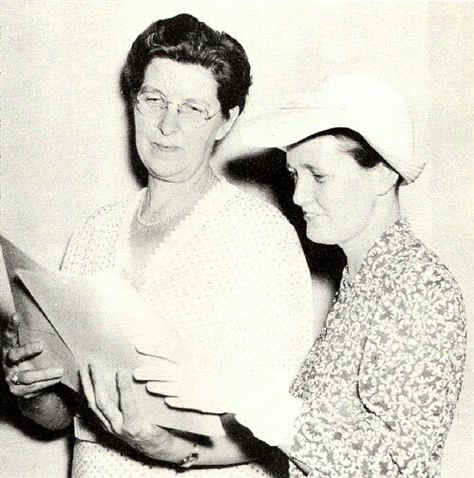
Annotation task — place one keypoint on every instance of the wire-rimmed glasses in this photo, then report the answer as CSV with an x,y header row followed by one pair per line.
x,y
153,103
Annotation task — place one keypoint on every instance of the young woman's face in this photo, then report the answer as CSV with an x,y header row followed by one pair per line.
x,y
336,194
169,147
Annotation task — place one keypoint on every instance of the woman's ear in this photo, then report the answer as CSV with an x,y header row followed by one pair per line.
x,y
386,177
228,123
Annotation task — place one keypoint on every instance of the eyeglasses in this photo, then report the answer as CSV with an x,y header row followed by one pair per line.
x,y
190,115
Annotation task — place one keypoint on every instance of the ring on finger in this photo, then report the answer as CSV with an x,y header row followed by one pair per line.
x,y
15,379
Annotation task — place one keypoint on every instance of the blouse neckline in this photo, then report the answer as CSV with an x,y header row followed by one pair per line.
x,y
172,238
383,245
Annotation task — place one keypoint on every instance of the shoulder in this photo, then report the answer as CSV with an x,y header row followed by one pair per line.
x,y
419,289
419,270
108,215
96,234
254,215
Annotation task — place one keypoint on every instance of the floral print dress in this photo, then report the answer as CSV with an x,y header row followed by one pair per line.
x,y
381,382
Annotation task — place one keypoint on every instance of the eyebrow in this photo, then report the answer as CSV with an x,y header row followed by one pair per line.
x,y
313,169
150,89
308,166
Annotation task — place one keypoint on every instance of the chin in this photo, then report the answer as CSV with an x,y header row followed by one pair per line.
x,y
163,169
319,236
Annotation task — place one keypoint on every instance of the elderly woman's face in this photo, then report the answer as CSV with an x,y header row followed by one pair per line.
x,y
337,195
171,146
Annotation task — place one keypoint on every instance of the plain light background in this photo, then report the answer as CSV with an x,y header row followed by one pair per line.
x,y
64,147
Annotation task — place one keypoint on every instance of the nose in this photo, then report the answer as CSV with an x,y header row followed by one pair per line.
x,y
303,191
168,121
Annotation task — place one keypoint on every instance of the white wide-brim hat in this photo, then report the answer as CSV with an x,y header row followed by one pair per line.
x,y
364,104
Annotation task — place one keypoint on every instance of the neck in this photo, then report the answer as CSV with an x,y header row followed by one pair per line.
x,y
386,212
165,199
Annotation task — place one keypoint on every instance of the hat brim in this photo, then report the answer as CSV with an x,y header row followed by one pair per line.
x,y
283,127
286,126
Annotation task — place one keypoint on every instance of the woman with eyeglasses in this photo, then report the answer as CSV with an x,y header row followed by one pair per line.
x,y
223,267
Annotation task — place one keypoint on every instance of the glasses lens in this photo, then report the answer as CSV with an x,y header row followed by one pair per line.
x,y
192,115
151,103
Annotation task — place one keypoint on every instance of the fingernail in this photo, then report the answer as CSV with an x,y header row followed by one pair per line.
x,y
58,371
36,346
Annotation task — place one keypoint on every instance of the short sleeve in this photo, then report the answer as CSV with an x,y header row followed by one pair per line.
x,y
91,247
276,294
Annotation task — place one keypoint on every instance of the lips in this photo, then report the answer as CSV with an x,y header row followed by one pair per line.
x,y
165,147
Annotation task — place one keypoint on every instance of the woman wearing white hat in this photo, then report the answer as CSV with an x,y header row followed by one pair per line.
x,y
379,387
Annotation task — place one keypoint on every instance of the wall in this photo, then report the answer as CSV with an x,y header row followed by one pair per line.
x,y
64,145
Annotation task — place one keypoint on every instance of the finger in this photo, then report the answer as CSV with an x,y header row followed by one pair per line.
x,y
194,404
106,397
13,322
10,331
86,386
127,401
88,390
163,371
162,347
164,389
21,390
24,352
177,402
28,377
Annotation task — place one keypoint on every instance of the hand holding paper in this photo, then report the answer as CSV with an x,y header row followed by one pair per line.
x,y
112,398
77,318
23,378
265,408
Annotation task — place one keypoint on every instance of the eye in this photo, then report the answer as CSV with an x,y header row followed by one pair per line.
x,y
191,108
153,99
318,177
152,102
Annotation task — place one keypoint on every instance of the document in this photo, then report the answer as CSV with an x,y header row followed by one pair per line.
x,y
79,318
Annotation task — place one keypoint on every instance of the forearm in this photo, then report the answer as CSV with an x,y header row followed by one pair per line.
x,y
49,410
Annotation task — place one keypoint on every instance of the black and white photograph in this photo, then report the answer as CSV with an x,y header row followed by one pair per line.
x,y
236,239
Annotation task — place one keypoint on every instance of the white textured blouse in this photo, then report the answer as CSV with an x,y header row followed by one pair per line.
x,y
232,278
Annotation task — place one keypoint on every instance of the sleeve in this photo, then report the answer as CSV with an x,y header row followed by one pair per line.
x,y
409,381
90,247
75,250
277,305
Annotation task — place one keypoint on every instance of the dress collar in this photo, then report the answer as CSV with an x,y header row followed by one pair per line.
x,y
392,240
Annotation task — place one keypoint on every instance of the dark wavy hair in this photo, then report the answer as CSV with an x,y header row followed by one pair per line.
x,y
185,39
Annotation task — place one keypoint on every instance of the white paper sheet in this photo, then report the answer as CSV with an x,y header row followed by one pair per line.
x,y
100,317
